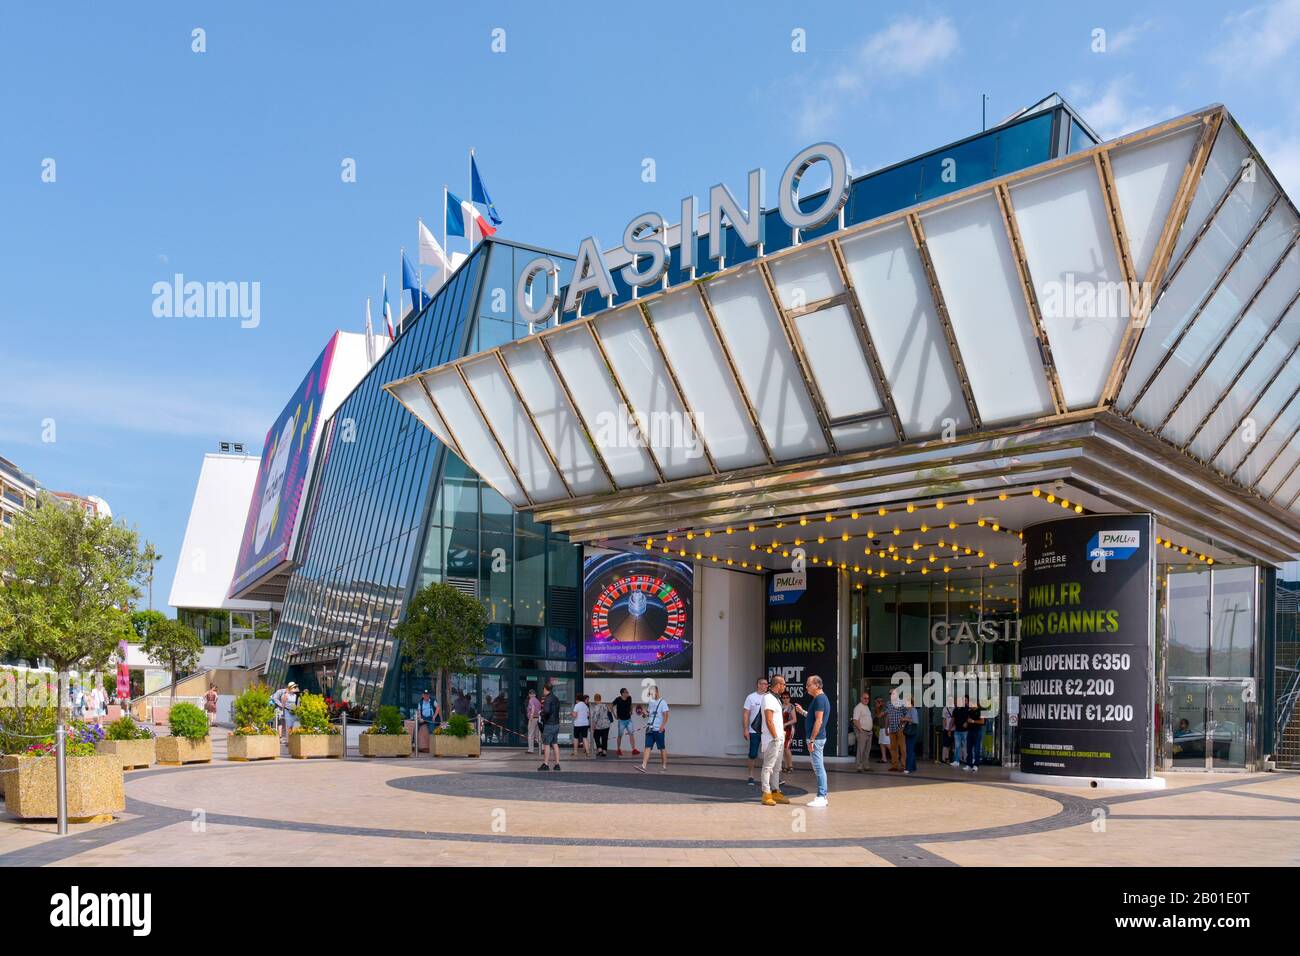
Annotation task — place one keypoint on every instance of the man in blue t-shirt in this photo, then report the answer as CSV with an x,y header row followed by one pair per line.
x,y
816,719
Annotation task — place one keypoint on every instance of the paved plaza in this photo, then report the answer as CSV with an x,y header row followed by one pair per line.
x,y
500,810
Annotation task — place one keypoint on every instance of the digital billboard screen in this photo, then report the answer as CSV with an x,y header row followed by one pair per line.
x,y
277,495
639,616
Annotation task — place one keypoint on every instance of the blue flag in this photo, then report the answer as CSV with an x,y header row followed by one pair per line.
x,y
411,280
455,216
479,194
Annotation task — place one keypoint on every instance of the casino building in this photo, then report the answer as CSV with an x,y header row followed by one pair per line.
x,y
827,435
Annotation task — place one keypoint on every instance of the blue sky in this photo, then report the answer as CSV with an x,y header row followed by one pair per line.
x,y
225,165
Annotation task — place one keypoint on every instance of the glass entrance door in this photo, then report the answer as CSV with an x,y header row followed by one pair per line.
x,y
1227,727
1211,725
1186,712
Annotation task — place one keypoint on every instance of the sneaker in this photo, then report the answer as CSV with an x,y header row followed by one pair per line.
x,y
819,802
635,752
967,769
663,769
780,797
751,781
619,752
543,767
556,768
768,800
907,771
954,764
642,768
974,769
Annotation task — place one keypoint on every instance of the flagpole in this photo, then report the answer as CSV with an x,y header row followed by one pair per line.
x,y
446,254
402,252
469,228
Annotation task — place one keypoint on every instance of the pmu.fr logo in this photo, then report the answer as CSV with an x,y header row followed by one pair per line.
x,y
75,909
1114,545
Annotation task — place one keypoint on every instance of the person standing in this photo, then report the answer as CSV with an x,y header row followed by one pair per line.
x,y
427,712
816,719
656,730
894,724
533,711
210,704
751,721
949,741
773,744
862,725
623,714
550,717
581,726
974,736
788,719
911,732
882,730
286,704
600,721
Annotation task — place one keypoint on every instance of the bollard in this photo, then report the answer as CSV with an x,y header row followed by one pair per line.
x,y
61,776
345,735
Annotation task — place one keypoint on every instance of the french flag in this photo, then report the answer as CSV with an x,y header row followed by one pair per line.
x,y
464,220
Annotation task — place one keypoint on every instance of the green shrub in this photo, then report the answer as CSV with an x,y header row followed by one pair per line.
x,y
457,725
254,713
313,716
188,721
19,726
124,728
389,722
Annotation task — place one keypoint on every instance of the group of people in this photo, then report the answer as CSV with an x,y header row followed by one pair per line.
x,y
592,719
768,721
963,732
88,703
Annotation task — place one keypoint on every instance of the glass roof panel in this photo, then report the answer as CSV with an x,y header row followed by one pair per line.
x,y
608,419
414,397
894,295
693,350
765,364
665,425
1226,157
1147,175
472,435
981,288
802,278
1082,294
833,348
541,390
487,380
1268,440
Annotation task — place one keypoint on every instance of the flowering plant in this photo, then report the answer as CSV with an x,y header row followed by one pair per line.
x,y
249,730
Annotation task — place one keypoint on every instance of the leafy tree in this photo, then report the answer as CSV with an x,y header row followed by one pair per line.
x,y
151,558
66,578
141,622
175,645
444,630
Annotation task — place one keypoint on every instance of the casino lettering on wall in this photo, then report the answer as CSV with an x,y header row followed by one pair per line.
x,y
639,619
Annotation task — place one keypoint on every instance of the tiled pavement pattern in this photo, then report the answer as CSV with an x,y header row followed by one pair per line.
x,y
500,810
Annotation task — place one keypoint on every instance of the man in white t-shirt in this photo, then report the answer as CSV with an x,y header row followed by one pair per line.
x,y
773,743
581,724
656,729
862,724
752,720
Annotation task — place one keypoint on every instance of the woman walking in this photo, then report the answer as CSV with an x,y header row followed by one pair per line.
x,y
601,719
210,704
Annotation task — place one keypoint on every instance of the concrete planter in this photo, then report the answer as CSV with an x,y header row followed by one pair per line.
x,y
445,745
95,790
384,745
252,747
174,751
303,746
135,754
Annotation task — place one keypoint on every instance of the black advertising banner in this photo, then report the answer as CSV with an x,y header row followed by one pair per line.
x,y
801,640
1086,639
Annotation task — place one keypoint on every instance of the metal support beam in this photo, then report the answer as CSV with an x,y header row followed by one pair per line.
x,y
1155,279
796,348
677,387
735,375
941,310
577,413
528,413
854,305
505,456
1003,195
1172,348
627,402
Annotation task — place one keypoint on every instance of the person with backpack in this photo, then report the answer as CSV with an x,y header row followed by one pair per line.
x,y
550,728
601,719
286,703
427,712
751,720
911,731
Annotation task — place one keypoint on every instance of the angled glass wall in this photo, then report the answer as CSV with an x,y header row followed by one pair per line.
x,y
380,508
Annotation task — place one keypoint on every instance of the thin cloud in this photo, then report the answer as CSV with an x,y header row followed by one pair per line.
x,y
1258,38
906,48
1113,111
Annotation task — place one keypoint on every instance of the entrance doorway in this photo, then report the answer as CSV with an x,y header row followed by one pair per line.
x,y
1212,727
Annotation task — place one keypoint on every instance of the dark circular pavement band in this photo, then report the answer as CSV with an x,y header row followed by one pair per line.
x,y
902,849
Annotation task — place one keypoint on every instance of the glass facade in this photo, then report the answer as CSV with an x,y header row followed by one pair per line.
x,y
216,627
392,509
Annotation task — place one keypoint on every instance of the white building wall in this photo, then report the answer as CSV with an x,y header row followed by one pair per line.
x,y
705,711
